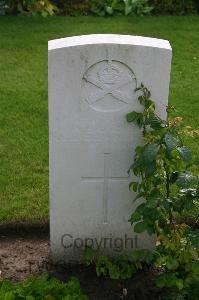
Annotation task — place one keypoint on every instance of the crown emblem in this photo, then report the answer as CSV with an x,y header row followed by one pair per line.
x,y
111,74
108,85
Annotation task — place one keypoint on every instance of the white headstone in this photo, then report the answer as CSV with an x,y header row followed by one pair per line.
x,y
91,89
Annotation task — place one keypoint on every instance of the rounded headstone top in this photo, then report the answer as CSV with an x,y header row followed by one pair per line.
x,y
108,39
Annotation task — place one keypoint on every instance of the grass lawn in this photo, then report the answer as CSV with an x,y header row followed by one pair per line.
x,y
23,95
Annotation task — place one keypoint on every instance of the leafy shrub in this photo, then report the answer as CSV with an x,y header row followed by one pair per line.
x,y
120,267
18,6
121,7
41,288
34,7
168,189
98,7
73,7
42,7
136,7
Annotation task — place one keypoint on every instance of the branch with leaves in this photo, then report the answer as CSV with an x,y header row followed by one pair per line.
x,y
168,188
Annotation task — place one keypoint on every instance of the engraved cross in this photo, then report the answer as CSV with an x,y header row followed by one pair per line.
x,y
105,180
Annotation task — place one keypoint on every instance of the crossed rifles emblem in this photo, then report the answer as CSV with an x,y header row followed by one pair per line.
x,y
109,80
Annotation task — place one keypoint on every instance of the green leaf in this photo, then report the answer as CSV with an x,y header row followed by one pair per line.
x,y
161,281
185,153
150,169
147,94
172,264
138,255
127,271
109,10
44,13
190,193
141,208
155,122
114,272
132,116
9,296
128,8
140,121
194,238
142,255
133,186
149,154
153,198
139,195
171,141
141,99
179,283
149,104
135,117
195,267
150,230
140,227
135,217
48,297
137,163
185,179
149,256
89,256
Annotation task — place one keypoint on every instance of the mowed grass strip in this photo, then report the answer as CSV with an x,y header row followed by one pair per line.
x,y
23,95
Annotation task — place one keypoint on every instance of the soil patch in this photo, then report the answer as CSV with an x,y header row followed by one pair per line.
x,y
22,257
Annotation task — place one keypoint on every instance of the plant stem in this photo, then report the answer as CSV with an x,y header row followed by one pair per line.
x,y
168,194
167,181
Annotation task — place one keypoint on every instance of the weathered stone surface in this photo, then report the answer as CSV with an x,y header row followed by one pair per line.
x,y
91,88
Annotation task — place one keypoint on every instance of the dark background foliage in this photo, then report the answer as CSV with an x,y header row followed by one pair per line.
x,y
178,7
174,6
99,7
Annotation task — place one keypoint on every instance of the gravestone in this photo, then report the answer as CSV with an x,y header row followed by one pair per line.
x,y
92,81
